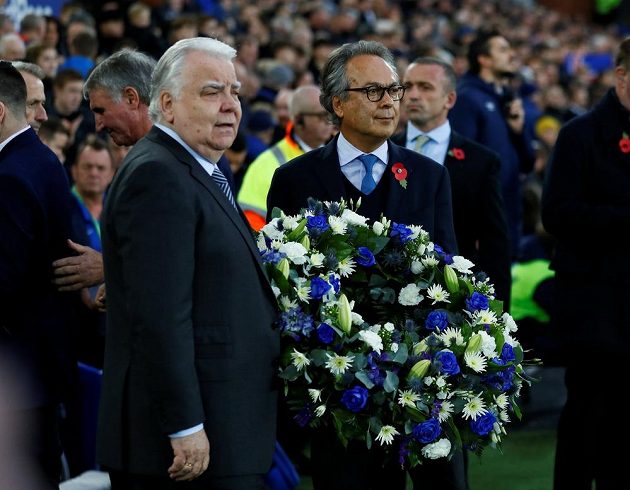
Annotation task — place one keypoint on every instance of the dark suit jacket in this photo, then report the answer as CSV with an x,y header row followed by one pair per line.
x,y
586,208
189,319
426,201
478,211
34,226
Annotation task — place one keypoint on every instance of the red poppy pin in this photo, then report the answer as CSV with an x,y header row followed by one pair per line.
x,y
400,173
457,153
624,143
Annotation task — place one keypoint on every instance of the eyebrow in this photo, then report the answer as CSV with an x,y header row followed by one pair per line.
x,y
220,86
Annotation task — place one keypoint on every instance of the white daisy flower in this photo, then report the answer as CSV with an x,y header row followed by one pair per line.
x,y
320,410
346,267
353,218
337,225
372,339
430,261
386,435
488,344
502,401
317,259
410,295
339,364
316,395
294,251
462,264
509,322
437,294
504,416
475,361
286,303
302,291
446,409
474,408
416,231
452,335
300,361
484,317
408,398
436,450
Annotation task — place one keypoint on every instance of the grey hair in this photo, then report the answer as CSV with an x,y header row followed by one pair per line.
x,y
299,99
168,73
125,68
449,72
32,68
335,77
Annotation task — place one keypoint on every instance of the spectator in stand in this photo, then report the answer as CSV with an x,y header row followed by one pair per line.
x,y
488,112
310,128
281,114
55,136
32,29
6,24
82,53
12,47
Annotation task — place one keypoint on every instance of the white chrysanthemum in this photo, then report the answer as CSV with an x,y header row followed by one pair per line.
x,y
294,251
290,222
475,361
488,344
509,322
462,264
272,231
386,435
353,218
372,339
430,261
452,335
317,259
510,340
416,231
502,401
474,408
346,267
300,361
416,267
410,295
408,398
286,303
446,409
437,294
504,416
357,319
276,291
436,450
302,291
339,364
484,317
337,225
316,395
319,411
378,228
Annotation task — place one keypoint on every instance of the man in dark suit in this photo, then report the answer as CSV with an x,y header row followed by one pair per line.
x,y
586,209
34,319
362,92
187,366
478,211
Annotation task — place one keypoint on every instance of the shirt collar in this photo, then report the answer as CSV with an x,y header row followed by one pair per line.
x,y
14,135
208,165
441,134
348,152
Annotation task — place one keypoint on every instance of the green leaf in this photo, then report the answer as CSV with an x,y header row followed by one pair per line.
x,y
365,379
318,356
389,295
391,382
295,235
276,213
401,355
368,439
377,281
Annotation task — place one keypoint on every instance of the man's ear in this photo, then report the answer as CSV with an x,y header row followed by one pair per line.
x,y
166,106
131,97
336,105
451,98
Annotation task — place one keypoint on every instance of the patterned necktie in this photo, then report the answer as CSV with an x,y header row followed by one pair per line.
x,y
368,184
421,140
221,181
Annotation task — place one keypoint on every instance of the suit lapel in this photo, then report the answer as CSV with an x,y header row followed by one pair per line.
x,y
450,162
397,193
329,174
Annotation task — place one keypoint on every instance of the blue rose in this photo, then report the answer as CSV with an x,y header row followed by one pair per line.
x,y
476,302
325,333
507,353
436,319
428,431
355,398
365,257
319,287
447,362
484,424
400,232
317,224
334,282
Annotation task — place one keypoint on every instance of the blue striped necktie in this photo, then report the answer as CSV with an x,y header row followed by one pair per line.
x,y
221,181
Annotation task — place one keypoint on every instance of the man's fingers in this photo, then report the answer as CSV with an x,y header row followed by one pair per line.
x,y
65,262
77,248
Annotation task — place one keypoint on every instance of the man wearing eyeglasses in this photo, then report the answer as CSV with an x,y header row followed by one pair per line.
x,y
361,91
309,127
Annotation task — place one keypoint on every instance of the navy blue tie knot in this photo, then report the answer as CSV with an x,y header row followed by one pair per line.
x,y
368,183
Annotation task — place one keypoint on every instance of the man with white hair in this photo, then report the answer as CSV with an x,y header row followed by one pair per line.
x,y
187,368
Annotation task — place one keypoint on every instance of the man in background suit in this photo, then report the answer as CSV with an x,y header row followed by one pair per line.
x,y
478,211
585,207
34,319
362,92
188,377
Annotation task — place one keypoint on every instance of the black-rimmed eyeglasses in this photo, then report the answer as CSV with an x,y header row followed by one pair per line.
x,y
374,93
